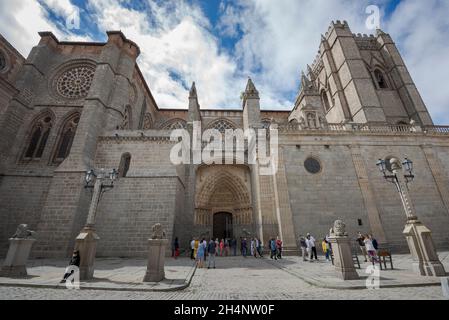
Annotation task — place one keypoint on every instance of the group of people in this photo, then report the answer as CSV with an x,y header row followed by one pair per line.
x,y
369,246
202,250
308,248
275,246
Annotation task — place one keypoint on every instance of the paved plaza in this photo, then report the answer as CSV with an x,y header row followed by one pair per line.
x,y
236,278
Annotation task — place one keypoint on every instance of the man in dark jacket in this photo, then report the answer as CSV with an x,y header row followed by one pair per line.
x,y
74,261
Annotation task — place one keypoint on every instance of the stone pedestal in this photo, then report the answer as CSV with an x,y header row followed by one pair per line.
x,y
17,257
420,243
86,243
156,260
341,248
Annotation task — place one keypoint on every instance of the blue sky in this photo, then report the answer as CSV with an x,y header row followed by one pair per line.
x,y
219,43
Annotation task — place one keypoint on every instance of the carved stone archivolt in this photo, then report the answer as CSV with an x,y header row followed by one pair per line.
x,y
223,191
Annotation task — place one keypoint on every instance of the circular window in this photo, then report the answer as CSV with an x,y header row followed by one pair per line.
x,y
75,82
2,61
312,165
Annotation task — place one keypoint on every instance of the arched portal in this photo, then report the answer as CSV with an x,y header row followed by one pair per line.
x,y
222,226
223,201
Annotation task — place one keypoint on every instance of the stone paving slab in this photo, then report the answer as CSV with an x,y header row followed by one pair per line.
x,y
110,274
322,273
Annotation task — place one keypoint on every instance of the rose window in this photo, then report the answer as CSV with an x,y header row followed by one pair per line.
x,y
75,83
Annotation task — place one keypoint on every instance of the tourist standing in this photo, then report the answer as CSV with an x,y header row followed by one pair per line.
x,y
372,254
326,249
252,248
211,251
176,248
221,247
361,241
201,251
227,247
312,247
303,245
234,246
279,248
273,249
259,247
244,247
204,243
217,246
192,247
374,241
197,244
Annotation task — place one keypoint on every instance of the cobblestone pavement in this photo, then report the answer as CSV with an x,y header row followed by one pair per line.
x,y
234,279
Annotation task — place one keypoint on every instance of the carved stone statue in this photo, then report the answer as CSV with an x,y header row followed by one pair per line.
x,y
323,121
158,232
302,123
339,229
22,232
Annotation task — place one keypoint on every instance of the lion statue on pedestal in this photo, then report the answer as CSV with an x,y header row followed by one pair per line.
x,y
339,229
158,232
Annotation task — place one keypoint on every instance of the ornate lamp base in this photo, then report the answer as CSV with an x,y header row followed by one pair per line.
x,y
420,243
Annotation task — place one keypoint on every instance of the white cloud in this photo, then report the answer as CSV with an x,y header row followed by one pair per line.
x,y
21,20
279,38
421,30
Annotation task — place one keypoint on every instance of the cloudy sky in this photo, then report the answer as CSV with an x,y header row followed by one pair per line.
x,y
219,43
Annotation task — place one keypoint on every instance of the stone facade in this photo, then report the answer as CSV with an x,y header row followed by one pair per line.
x,y
70,107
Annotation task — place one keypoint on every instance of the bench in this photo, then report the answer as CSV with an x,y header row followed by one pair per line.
x,y
384,256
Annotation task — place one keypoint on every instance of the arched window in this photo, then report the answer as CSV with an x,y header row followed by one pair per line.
x,y
174,124
380,79
325,100
66,138
38,137
125,164
222,125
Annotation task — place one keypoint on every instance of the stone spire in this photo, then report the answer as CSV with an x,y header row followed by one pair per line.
x,y
193,94
310,73
251,88
194,106
251,106
307,86
250,91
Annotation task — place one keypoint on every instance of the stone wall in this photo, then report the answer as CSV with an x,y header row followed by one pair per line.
x,y
22,199
319,199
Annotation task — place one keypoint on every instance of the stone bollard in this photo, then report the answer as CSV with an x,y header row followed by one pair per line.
x,y
19,251
445,287
341,248
156,256
86,244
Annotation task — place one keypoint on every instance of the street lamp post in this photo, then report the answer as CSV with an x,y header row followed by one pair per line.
x,y
419,239
86,242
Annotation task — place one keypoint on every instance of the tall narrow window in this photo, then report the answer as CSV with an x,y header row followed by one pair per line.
x,y
66,138
125,164
38,138
325,100
380,79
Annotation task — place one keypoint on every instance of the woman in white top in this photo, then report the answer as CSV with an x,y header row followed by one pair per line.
x,y
370,249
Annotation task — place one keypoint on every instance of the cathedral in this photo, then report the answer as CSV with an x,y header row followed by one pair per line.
x,y
72,107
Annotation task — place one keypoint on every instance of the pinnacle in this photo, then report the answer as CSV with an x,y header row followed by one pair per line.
x,y
193,93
